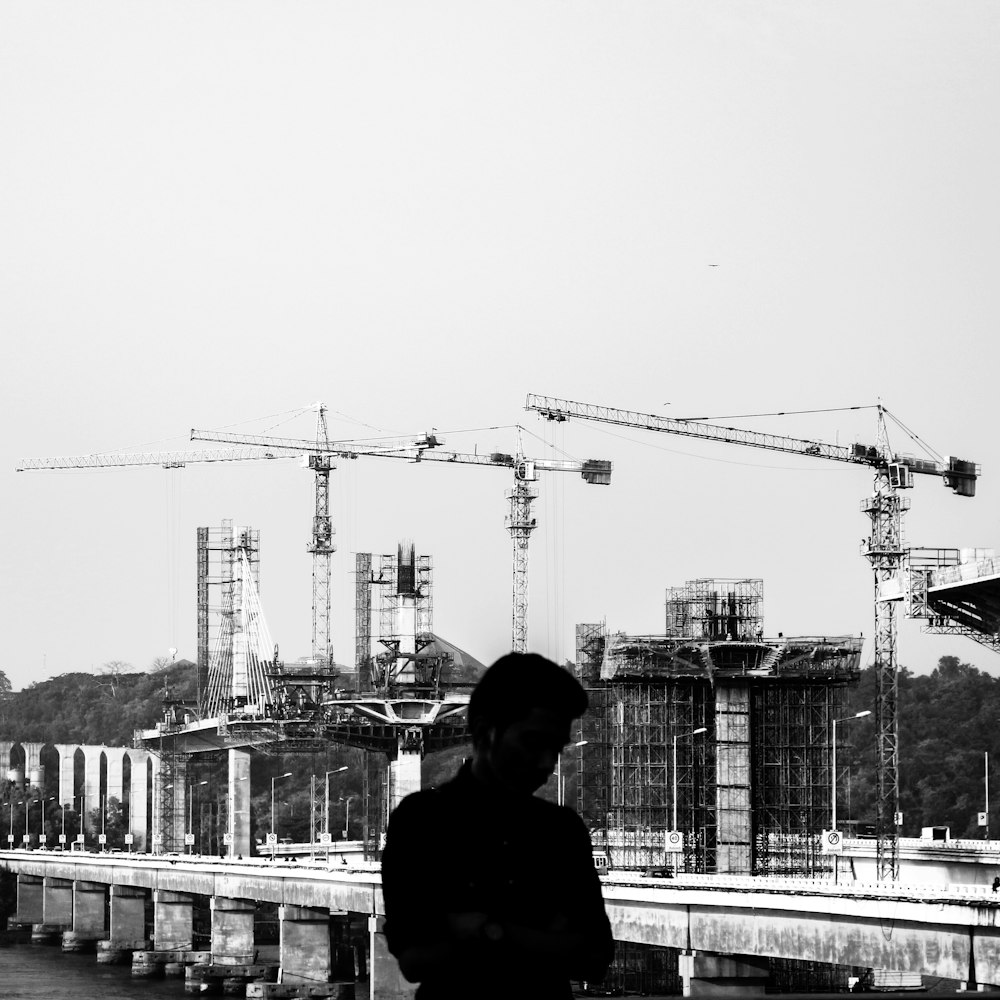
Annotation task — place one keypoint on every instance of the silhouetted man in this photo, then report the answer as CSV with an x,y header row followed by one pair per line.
x,y
491,892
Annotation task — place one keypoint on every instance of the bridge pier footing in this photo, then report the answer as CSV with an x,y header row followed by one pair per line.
x,y
707,975
232,931
173,921
29,900
305,945
88,922
57,903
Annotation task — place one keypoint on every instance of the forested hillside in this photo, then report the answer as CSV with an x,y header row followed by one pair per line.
x,y
948,720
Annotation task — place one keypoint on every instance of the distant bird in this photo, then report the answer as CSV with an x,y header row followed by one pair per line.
x,y
713,265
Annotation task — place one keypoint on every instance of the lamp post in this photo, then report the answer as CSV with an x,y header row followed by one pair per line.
x,y
833,765
694,732
190,828
278,777
347,814
326,807
560,791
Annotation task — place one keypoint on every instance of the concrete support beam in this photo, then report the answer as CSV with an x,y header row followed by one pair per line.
x,y
57,903
34,773
91,786
30,895
304,951
173,921
232,931
116,759
388,983
239,803
722,975
127,917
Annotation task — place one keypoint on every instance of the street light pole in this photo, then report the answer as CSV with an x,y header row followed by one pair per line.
x,y
278,777
694,732
833,765
560,791
326,806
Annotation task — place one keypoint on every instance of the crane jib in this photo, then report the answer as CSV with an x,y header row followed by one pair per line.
x,y
958,474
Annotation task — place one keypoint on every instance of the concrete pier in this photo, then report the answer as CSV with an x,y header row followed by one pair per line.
x,y
173,921
305,945
232,931
389,982
89,922
29,899
127,926
57,903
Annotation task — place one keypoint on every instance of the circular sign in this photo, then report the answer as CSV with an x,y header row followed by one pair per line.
x,y
674,839
227,838
833,838
62,838
189,839
102,838
129,838
80,838
272,838
325,838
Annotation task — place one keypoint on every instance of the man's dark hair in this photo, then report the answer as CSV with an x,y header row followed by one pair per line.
x,y
520,682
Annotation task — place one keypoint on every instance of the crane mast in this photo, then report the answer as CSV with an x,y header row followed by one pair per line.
x,y
883,548
321,546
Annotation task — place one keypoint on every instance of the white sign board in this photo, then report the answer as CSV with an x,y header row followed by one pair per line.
x,y
26,838
227,838
189,839
62,838
325,838
80,838
102,838
10,838
272,838
984,819
129,838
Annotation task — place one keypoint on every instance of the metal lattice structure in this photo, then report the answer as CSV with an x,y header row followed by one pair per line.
x,y
893,472
732,733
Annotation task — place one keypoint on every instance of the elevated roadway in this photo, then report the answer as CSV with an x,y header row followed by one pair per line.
x,y
945,931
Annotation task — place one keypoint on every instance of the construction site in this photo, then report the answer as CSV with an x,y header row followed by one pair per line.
x,y
708,748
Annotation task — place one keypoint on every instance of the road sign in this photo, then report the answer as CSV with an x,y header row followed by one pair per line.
x,y
26,838
189,839
984,819
831,842
227,838
272,838
62,838
80,838
129,838
10,838
674,840
325,838
102,838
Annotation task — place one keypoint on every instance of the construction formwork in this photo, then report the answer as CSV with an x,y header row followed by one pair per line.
x,y
752,791
716,609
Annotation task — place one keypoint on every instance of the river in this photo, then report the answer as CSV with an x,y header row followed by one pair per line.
x,y
45,972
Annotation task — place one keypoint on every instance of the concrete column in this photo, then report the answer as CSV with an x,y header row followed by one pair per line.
x,y
732,778
304,951
232,931
57,902
89,916
173,923
30,896
116,758
705,975
239,803
5,748
66,753
91,785
128,917
404,775
387,982
138,802
33,762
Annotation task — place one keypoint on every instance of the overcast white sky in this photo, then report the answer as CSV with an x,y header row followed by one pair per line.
x,y
214,212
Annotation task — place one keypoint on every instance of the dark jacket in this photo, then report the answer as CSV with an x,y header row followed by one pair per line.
x,y
468,848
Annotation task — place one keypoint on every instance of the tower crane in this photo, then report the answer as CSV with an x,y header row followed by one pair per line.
x,y
519,521
320,455
883,548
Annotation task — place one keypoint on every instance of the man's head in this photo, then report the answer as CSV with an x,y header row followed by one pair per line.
x,y
519,716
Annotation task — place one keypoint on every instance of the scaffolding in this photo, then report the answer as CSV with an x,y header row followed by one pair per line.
x,y
711,754
715,609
